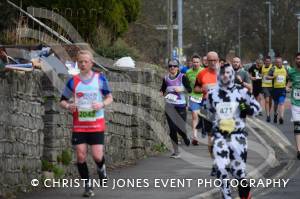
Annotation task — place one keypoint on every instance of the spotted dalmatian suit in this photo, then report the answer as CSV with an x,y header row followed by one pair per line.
x,y
228,105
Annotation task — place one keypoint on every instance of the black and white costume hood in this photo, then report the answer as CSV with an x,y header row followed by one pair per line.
x,y
230,84
225,100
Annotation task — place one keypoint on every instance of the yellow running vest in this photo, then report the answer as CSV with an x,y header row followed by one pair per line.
x,y
280,75
266,82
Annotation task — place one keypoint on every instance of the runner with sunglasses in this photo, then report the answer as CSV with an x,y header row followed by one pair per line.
x,y
173,86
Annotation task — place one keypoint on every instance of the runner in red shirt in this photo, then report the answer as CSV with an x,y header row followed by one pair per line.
x,y
91,94
206,81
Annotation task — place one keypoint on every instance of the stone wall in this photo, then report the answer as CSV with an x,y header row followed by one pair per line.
x,y
21,129
34,128
136,118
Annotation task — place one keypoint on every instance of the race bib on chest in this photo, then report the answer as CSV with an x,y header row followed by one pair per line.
x,y
227,125
296,94
226,110
197,100
280,79
87,116
257,75
210,87
171,97
85,99
265,80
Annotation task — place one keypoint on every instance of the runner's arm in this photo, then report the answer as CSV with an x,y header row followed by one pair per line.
x,y
186,84
287,76
198,87
67,95
209,105
247,85
271,73
288,85
106,91
244,81
163,87
108,99
252,106
250,73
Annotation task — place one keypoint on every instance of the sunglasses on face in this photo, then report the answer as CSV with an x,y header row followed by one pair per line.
x,y
170,66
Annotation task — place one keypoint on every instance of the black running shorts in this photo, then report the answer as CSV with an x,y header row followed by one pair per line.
x,y
90,138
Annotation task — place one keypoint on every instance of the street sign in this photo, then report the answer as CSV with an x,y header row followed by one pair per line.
x,y
165,27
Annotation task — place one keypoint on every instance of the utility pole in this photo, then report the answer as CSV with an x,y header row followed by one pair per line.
x,y
170,28
239,32
298,17
270,26
180,28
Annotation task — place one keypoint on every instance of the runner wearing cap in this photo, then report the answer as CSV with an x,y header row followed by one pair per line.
x,y
172,88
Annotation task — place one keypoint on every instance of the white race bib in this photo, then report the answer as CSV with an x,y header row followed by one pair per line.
x,y
280,78
85,99
257,75
210,87
87,116
197,100
265,80
226,110
171,97
296,94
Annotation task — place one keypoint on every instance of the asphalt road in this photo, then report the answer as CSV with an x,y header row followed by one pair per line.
x,y
195,164
292,191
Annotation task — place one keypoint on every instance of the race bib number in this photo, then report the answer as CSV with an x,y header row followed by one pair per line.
x,y
257,75
171,97
280,79
85,99
265,80
85,116
296,94
226,110
197,100
210,87
227,125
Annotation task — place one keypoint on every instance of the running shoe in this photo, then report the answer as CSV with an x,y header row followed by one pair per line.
x,y
275,118
298,155
268,119
260,113
175,155
213,172
195,142
88,192
280,121
187,141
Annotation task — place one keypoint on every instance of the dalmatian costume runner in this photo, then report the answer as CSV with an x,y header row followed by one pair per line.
x,y
228,105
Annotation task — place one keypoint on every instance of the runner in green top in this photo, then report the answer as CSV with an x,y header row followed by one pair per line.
x,y
294,82
294,77
194,98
